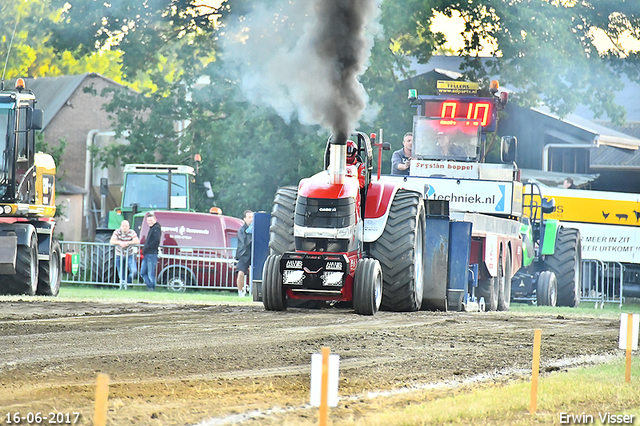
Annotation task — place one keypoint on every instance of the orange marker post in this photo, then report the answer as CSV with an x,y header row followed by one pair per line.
x,y
102,393
537,337
627,371
323,412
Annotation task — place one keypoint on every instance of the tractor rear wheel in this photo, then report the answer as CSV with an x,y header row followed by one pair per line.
x,y
50,274
367,287
400,251
504,298
566,262
274,297
282,215
25,280
546,290
103,260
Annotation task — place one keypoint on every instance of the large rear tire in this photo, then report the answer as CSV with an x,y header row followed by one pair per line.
x,y
367,287
274,297
400,253
103,260
25,280
547,289
50,273
281,238
504,298
566,262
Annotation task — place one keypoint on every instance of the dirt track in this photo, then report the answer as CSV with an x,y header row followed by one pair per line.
x,y
184,364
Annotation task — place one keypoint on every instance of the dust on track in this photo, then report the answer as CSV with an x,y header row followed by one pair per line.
x,y
180,364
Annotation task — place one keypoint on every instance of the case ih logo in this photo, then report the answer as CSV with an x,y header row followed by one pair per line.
x,y
327,209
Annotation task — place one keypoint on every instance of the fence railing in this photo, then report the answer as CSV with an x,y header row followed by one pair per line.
x,y
602,282
178,268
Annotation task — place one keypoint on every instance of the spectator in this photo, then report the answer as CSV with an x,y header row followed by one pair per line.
x,y
401,159
568,184
150,252
125,239
243,253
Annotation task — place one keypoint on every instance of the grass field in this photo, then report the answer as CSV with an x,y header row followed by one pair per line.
x,y
587,393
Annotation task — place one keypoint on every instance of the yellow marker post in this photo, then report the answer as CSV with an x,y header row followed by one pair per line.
x,y
102,393
537,337
627,371
323,412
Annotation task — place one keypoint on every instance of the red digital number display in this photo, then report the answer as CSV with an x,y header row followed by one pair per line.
x,y
478,113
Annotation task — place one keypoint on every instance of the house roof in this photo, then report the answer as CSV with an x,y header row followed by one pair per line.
x,y
602,135
67,188
53,92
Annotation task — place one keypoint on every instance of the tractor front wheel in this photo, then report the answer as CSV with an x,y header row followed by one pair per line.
x,y
274,297
50,274
547,289
367,287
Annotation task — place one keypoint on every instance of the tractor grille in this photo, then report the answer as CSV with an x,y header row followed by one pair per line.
x,y
325,212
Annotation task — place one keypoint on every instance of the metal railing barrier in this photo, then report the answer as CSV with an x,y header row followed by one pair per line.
x,y
178,268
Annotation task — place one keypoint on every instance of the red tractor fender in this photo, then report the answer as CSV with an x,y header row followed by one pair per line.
x,y
379,198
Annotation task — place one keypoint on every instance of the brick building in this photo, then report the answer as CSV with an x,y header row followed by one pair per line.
x,y
76,115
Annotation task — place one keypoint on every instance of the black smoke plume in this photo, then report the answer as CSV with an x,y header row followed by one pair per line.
x,y
303,58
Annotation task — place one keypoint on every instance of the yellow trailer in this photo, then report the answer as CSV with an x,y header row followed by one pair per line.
x,y
609,224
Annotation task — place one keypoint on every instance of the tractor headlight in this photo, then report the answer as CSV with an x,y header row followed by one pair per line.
x,y
332,278
7,209
292,277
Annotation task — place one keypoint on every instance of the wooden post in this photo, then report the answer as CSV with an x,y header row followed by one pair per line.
x,y
627,371
323,412
537,337
102,393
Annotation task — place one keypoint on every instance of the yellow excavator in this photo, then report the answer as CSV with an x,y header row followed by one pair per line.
x,y
30,257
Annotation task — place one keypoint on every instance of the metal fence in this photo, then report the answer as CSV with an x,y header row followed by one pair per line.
x,y
602,282
178,268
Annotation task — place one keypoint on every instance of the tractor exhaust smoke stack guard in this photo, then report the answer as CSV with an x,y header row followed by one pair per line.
x,y
338,159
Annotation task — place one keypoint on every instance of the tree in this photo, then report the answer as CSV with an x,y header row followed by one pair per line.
x,y
24,37
544,48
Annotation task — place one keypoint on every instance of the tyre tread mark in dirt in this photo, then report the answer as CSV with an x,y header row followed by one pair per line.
x,y
566,262
395,251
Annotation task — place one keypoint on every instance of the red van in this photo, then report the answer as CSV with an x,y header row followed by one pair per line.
x,y
197,250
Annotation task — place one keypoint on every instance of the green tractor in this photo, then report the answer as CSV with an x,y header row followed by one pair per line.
x,y
552,255
147,187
